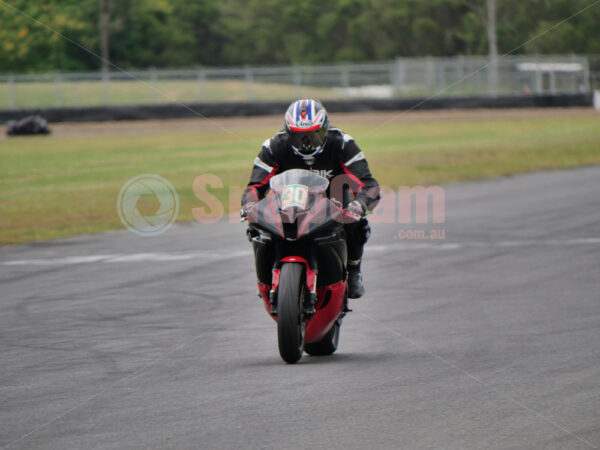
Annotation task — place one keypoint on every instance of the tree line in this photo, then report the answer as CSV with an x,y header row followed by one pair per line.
x,y
188,33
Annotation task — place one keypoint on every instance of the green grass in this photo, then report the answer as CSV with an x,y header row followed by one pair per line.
x,y
88,93
46,94
60,186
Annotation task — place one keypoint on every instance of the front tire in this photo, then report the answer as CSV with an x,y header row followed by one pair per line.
x,y
290,323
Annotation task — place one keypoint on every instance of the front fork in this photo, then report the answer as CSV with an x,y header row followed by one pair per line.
x,y
309,301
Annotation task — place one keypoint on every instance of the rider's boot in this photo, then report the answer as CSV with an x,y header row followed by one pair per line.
x,y
355,286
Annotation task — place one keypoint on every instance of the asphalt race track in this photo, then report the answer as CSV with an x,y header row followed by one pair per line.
x,y
489,339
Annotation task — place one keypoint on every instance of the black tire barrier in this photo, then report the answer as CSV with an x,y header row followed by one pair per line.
x,y
245,109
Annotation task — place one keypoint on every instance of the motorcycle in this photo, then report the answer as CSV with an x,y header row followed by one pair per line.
x,y
299,243
29,125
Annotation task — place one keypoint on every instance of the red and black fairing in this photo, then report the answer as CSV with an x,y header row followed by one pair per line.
x,y
313,236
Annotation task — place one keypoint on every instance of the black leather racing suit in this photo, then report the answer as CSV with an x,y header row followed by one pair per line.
x,y
340,156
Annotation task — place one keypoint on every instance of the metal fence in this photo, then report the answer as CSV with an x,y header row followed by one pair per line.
x,y
594,70
403,77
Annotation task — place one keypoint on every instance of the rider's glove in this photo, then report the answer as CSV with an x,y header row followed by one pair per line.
x,y
246,208
355,209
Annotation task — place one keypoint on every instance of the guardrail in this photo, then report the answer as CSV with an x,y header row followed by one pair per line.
x,y
232,109
401,78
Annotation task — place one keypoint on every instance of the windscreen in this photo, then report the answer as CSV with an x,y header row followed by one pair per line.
x,y
298,177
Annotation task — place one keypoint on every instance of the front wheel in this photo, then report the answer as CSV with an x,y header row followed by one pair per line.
x,y
290,324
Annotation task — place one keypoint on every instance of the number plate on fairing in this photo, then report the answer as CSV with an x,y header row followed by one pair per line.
x,y
294,195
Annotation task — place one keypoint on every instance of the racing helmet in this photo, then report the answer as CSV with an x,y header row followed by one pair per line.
x,y
306,124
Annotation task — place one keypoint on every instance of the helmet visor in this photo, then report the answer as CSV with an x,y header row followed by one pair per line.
x,y
307,141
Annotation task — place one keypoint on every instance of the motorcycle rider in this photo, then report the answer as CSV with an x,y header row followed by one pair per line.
x,y
308,142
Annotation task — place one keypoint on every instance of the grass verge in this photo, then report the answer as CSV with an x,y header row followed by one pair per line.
x,y
64,185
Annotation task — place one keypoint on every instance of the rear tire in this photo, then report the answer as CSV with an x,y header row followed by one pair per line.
x,y
290,323
326,346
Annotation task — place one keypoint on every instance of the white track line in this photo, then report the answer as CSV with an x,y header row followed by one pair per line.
x,y
128,258
409,245
222,254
